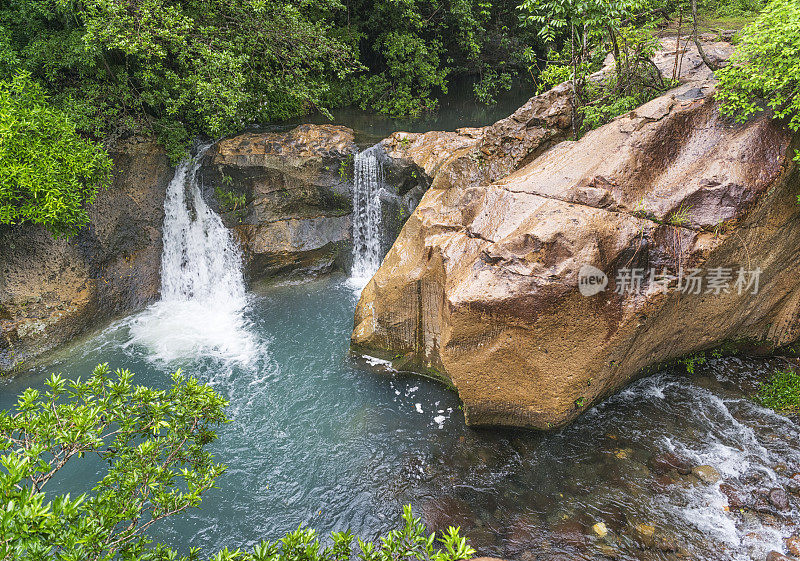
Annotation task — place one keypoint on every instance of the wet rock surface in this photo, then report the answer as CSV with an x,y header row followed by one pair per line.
x,y
588,491
664,463
287,196
477,156
793,545
707,475
53,290
481,287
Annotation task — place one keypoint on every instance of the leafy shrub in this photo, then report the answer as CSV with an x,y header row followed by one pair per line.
x,y
765,69
154,443
587,31
781,392
490,84
409,543
48,173
411,80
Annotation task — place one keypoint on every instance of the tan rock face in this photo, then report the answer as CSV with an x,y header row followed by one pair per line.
x,y
477,156
288,196
52,290
481,287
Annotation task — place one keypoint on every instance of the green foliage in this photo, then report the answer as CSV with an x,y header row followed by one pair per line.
x,y
413,47
592,18
781,392
182,68
48,173
346,166
177,68
490,84
230,201
692,362
154,445
413,73
680,217
587,30
765,69
152,441
722,8
411,542
594,116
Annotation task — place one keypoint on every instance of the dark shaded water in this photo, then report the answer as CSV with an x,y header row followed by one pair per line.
x,y
457,109
315,440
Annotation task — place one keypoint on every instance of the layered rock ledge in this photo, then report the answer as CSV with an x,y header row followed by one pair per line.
x,y
287,196
51,290
481,287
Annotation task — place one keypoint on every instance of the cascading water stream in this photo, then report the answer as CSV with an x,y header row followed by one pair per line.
x,y
367,185
202,286
200,260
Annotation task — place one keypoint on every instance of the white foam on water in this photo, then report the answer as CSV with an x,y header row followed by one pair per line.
x,y
175,330
374,361
203,296
733,448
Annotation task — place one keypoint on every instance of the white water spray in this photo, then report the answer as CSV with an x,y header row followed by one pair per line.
x,y
202,286
367,185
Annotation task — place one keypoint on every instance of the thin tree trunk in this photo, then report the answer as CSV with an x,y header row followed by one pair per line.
x,y
700,50
574,84
675,71
615,46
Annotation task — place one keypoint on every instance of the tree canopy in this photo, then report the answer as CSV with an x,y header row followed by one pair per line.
x,y
48,172
180,68
765,69
94,70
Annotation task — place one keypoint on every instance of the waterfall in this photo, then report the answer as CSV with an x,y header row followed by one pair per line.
x,y
202,286
367,186
200,260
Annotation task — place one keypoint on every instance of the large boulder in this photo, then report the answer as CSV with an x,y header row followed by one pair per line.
x,y
287,196
478,156
52,290
482,286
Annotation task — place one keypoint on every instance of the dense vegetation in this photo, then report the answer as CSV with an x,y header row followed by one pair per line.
x,y
587,30
765,70
781,392
179,69
48,173
154,443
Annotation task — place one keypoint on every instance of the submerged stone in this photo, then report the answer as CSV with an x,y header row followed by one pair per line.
x,y
779,499
663,463
793,545
645,533
600,530
706,474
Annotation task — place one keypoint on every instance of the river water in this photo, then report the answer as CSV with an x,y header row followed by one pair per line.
x,y
318,441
